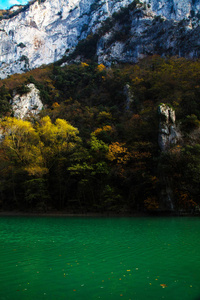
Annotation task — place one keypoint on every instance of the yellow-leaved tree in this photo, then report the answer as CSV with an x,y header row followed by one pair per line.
x,y
30,147
56,139
31,151
21,145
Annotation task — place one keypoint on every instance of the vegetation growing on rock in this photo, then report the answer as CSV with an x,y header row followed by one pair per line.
x,y
88,152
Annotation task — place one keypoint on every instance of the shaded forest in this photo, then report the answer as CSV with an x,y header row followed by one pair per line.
x,y
94,146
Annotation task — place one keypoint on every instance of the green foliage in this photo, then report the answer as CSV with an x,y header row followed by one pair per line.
x,y
21,45
190,123
88,152
94,6
35,150
36,194
122,15
124,12
23,89
86,48
5,98
97,145
25,59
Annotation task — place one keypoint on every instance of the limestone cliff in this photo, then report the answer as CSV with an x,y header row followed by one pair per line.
x,y
47,30
27,104
42,33
168,133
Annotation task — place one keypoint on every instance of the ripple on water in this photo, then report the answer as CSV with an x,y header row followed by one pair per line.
x,y
110,258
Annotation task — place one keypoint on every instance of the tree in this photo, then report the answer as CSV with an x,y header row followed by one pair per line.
x,y
21,143
56,139
5,97
34,150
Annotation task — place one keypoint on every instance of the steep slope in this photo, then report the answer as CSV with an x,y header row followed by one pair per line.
x,y
46,30
138,33
42,33
118,164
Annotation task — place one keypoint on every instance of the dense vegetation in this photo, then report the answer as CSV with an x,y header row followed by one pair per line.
x,y
92,149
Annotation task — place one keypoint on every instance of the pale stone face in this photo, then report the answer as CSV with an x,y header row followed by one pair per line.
x,y
27,104
42,34
168,132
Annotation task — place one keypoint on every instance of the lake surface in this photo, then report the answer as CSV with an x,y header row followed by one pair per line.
x,y
99,258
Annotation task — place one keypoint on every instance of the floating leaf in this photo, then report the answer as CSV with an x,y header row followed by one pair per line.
x,y
163,285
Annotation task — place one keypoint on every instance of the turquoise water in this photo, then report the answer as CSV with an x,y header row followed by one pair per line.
x,y
99,258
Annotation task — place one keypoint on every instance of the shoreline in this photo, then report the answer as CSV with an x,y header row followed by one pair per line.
x,y
68,214
94,214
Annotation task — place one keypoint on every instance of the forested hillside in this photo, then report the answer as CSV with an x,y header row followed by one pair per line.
x,y
94,147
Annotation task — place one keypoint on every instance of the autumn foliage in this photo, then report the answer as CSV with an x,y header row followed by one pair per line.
x,y
94,147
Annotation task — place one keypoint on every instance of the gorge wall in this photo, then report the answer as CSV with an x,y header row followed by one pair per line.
x,y
49,29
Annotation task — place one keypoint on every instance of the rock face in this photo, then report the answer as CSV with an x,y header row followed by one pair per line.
x,y
47,30
42,33
142,33
168,134
175,9
27,104
129,96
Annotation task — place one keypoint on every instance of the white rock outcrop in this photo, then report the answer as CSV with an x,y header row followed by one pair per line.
x,y
42,33
168,133
27,104
168,136
174,9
